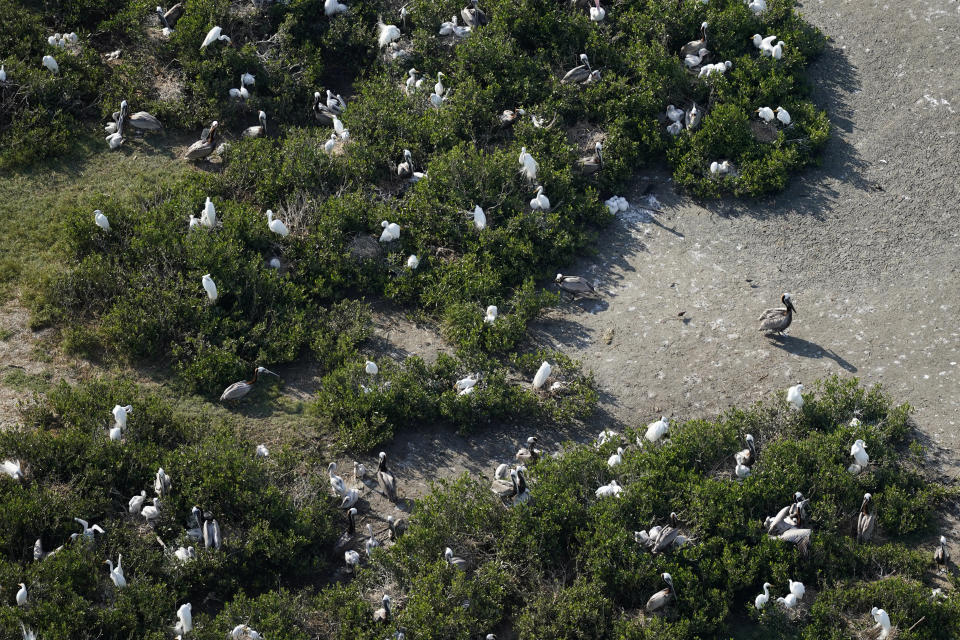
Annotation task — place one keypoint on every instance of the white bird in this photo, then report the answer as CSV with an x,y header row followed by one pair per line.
x,y
766,113
248,79
12,469
208,217
241,93
342,132
465,386
612,489
371,542
528,166
597,13
116,434
692,60
391,231
330,144
790,601
184,618
411,83
22,595
3,73
454,561
764,44
675,128
479,218
332,7
797,588
215,33
761,600
120,414
860,456
336,482
349,499
605,436
776,51
438,88
101,220
616,458
194,222
210,287
719,68
742,471
88,531
243,631
540,201
783,116
136,503
162,483
387,33
883,622
359,471
371,368
795,396
51,64
185,554
116,573
656,430
274,263
151,512
757,6
693,117
674,114
542,374
27,632
262,451
436,100
413,262
352,558
491,314
276,226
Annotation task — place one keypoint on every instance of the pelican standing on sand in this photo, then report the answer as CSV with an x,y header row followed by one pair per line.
x,y
777,320
576,285
386,479
239,389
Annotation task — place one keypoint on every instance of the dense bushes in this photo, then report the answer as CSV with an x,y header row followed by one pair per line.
x,y
566,564
274,532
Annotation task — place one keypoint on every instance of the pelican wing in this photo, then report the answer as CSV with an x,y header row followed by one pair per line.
x,y
576,75
235,391
577,285
144,120
773,313
658,600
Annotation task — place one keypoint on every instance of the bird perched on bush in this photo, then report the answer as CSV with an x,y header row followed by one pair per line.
x,y
216,33
333,7
51,64
473,16
387,33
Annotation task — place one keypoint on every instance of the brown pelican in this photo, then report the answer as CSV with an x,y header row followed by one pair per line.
x,y
397,527
142,120
940,555
405,168
344,541
592,164
257,131
799,537
693,117
169,17
660,599
510,116
693,47
579,73
747,456
473,16
386,479
668,535
454,561
577,285
530,452
335,103
866,522
239,389
778,319
383,613
321,112
203,147
211,532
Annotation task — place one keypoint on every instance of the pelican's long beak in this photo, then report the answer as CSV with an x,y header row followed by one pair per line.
x,y
265,370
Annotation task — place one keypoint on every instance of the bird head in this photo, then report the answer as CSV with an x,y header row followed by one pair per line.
x,y
667,578
407,154
559,277
386,601
382,456
943,540
353,511
532,440
263,118
673,519
867,497
749,438
384,223
448,553
265,370
439,74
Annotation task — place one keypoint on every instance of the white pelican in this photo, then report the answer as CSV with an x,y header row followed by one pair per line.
x,y
276,226
210,287
239,389
184,619
22,595
528,166
151,512
336,482
783,116
185,554
761,600
136,503
101,220
656,430
490,315
332,7
540,201
597,13
742,471
208,217
162,483
383,613
766,114
215,33
660,599
352,558
542,374
248,79
883,622
115,433
12,469
941,555
479,217
609,490
413,262
860,457
616,458
454,561
259,130
88,531
51,64
371,542
120,414
386,479
605,436
387,33
262,451
795,395
116,573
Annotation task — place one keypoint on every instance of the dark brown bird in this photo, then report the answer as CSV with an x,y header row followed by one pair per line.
x,y
660,599
203,147
386,479
866,522
778,319
592,164
473,16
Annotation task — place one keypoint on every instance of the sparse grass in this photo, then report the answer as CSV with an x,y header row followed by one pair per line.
x,y
23,381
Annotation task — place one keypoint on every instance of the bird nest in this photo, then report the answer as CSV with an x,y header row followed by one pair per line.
x,y
763,131
364,247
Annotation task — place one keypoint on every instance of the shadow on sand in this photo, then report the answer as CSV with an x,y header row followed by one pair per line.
x,y
806,349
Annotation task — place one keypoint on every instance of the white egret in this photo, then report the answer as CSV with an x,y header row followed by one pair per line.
x,y
193,222
597,13
387,33
438,88
479,217
242,631
612,489
333,7
776,52
216,33
262,451
766,114
540,201
391,231
491,314
136,503
694,59
88,531
210,287
542,374
120,414
352,558
795,396
883,622
463,386
184,619
208,217
101,220
336,482
241,93
674,114
371,368
51,64
719,68
675,128
28,633
783,116
860,456
411,83
116,573
761,600
248,79
528,166
276,226
185,554
789,601
22,595
330,144
413,262
274,263
757,6
342,132
656,430
115,433
616,458
3,73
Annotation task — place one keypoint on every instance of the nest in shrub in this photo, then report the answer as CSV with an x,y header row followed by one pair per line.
x,y
763,131
364,247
